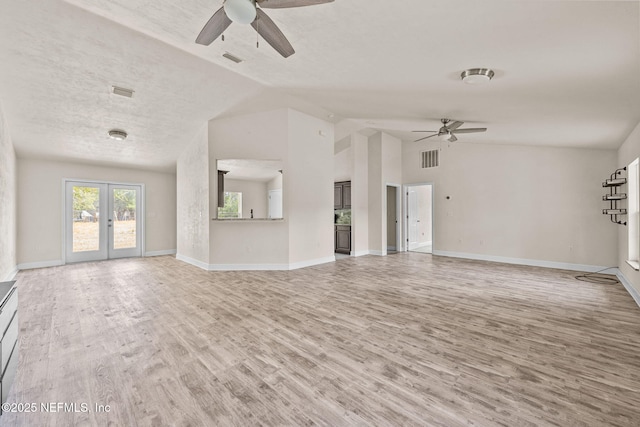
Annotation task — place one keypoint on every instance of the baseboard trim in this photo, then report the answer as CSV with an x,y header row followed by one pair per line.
x,y
192,261
254,267
40,264
360,253
522,261
628,286
377,253
311,262
161,253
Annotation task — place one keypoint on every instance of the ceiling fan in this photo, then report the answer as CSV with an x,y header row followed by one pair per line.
x,y
248,12
448,130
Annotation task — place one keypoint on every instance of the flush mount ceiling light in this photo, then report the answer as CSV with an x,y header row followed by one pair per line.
x,y
119,135
474,76
240,11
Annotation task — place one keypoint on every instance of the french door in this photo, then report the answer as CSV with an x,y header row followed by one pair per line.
x,y
102,221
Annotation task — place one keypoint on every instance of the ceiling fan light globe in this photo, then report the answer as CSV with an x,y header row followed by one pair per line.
x,y
240,11
444,136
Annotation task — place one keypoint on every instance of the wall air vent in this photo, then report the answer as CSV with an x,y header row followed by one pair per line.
x,y
429,159
122,91
232,57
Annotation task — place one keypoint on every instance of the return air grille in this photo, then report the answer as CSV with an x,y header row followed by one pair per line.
x,y
429,159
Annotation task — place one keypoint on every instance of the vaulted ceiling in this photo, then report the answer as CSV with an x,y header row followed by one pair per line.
x,y
567,72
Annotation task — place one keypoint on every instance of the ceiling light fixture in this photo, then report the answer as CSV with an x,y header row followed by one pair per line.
x,y
119,135
240,11
445,136
474,76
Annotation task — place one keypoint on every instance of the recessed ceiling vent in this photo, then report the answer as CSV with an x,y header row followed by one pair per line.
x,y
232,57
122,91
429,159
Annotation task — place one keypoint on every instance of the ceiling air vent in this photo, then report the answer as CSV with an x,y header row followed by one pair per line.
x,y
122,91
429,159
232,57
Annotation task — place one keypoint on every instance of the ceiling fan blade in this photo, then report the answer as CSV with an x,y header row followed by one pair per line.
x,y
469,130
272,34
213,28
281,4
424,131
453,138
425,137
455,125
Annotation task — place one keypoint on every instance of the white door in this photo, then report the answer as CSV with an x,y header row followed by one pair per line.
x,y
275,203
413,219
102,221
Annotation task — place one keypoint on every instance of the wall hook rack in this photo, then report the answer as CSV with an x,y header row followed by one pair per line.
x,y
614,182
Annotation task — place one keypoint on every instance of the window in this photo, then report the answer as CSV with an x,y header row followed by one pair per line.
x,y
232,205
633,210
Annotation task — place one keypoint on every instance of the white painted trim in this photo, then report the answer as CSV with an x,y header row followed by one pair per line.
x,y
247,267
11,276
628,286
40,264
391,248
522,261
377,253
192,261
161,253
634,264
360,253
255,267
312,262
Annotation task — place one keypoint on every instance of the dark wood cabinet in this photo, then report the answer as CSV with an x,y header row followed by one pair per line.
x,y
343,239
337,196
342,195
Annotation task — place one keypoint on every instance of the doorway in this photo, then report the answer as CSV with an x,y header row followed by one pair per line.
x,y
393,214
420,218
102,221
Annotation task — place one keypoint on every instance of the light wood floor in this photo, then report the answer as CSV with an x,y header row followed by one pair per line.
x,y
407,339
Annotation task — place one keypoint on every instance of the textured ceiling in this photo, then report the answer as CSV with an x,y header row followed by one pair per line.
x,y
567,72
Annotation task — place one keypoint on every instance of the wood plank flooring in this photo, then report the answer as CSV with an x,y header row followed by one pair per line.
x,y
407,339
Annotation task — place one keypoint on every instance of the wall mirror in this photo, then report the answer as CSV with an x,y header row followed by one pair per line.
x,y
249,189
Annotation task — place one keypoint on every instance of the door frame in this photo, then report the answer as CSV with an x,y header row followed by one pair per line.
x,y
405,205
65,228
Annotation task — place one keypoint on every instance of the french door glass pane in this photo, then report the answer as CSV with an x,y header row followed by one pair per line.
x,y
124,218
86,219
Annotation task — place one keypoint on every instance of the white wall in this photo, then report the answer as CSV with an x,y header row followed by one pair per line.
x,y
360,195
305,146
519,202
40,220
192,199
628,152
7,203
343,160
385,167
254,196
246,244
309,189
275,183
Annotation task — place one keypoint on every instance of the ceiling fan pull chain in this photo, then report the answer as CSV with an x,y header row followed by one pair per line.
x,y
257,33
223,37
